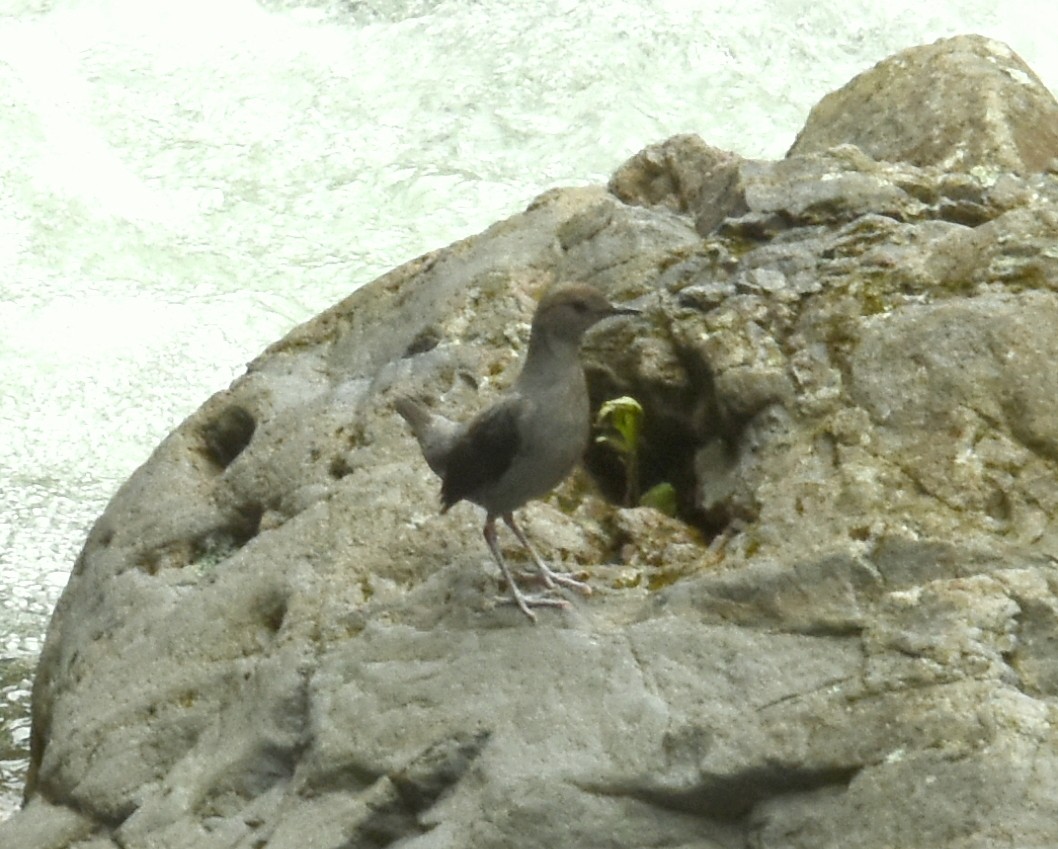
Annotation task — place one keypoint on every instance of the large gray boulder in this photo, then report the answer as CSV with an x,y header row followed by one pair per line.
x,y
846,637
960,103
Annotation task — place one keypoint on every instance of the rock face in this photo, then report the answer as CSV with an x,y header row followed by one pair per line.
x,y
849,637
961,103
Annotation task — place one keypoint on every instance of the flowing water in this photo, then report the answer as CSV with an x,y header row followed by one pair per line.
x,y
185,180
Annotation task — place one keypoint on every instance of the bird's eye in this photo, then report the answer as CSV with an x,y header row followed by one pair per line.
x,y
580,307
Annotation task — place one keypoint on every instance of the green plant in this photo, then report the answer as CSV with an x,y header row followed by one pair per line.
x,y
662,497
621,423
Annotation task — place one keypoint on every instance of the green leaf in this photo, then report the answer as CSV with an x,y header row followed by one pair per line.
x,y
661,497
624,418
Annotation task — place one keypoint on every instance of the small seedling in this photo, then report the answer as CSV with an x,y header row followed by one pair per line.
x,y
621,423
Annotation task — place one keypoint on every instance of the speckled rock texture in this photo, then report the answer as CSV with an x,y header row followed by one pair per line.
x,y
848,636
918,107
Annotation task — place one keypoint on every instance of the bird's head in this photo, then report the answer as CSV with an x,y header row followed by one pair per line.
x,y
567,311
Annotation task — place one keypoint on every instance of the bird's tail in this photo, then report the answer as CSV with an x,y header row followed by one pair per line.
x,y
434,433
414,413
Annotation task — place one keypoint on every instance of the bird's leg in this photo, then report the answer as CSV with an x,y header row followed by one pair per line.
x,y
524,602
549,576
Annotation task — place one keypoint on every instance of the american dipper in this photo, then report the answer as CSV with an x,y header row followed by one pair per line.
x,y
524,445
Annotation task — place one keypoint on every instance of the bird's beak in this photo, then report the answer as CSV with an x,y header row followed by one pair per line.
x,y
625,311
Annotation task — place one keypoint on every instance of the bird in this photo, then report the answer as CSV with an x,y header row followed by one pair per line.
x,y
529,441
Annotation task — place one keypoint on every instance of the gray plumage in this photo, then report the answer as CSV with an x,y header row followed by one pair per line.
x,y
528,442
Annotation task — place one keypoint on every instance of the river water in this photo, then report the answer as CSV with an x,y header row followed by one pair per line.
x,y
185,180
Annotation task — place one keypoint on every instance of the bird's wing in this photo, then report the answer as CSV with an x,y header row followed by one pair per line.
x,y
482,453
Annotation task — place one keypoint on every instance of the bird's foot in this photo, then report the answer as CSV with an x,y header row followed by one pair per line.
x,y
552,578
548,576
527,602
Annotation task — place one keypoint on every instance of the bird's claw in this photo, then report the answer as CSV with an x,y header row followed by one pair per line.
x,y
552,579
527,602
571,582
